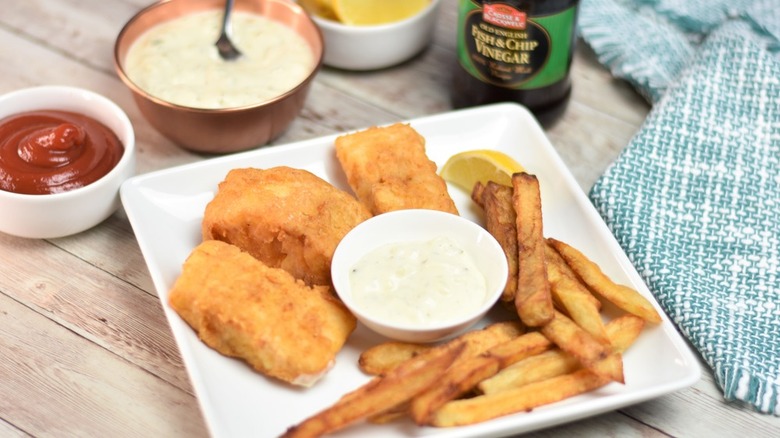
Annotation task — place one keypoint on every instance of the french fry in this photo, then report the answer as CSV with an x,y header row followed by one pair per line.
x,y
382,358
477,193
467,373
390,415
592,354
558,269
381,393
611,367
622,332
622,296
533,299
505,330
533,369
525,398
575,299
517,349
500,221
457,381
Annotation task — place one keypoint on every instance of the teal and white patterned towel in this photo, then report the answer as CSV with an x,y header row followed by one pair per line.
x,y
650,42
694,199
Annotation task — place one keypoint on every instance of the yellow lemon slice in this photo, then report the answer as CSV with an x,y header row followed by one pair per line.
x,y
467,168
321,8
368,12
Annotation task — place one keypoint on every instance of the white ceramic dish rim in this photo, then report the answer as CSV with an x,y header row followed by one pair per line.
x,y
362,240
357,30
165,209
40,96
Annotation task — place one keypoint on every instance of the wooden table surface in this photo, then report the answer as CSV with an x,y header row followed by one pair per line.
x,y
85,349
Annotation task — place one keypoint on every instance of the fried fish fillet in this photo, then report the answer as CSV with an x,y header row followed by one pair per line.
x,y
388,170
245,309
287,218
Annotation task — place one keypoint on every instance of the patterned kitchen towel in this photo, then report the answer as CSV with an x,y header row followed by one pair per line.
x,y
694,200
650,42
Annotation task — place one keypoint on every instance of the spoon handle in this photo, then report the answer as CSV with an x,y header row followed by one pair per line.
x,y
225,47
226,17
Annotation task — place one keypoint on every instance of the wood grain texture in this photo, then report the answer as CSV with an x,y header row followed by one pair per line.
x,y
85,349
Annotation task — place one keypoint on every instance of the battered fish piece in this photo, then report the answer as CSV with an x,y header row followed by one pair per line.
x,y
287,218
242,308
388,170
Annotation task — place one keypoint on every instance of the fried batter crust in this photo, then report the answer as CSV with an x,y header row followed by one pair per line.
x,y
388,170
288,218
242,308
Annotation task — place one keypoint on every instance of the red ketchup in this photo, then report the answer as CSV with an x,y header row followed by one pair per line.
x,y
51,151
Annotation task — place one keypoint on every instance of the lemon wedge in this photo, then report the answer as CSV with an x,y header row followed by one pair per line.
x,y
368,12
465,169
321,8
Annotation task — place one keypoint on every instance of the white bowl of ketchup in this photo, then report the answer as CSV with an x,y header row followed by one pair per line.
x,y
64,152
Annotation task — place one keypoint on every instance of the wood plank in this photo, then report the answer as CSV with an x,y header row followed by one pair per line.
x,y
113,248
612,424
65,385
91,303
86,30
673,413
74,315
8,430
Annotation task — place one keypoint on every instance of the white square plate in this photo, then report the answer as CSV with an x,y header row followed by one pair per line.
x,y
165,209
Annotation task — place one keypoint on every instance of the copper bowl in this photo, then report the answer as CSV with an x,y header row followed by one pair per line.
x,y
229,129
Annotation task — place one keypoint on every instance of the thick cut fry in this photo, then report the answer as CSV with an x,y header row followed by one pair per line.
x,y
456,382
381,393
517,349
622,332
467,373
533,369
610,368
557,268
507,329
533,299
574,298
591,353
382,358
476,194
390,415
486,407
622,296
500,221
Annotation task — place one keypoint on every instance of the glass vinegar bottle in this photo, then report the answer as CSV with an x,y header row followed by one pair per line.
x,y
515,51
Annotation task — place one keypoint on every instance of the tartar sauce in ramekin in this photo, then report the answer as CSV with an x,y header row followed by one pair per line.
x,y
421,283
177,61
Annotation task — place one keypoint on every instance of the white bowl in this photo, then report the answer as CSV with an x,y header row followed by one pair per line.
x,y
61,214
414,226
374,47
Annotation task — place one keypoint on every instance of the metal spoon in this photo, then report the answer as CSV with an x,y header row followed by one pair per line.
x,y
225,47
